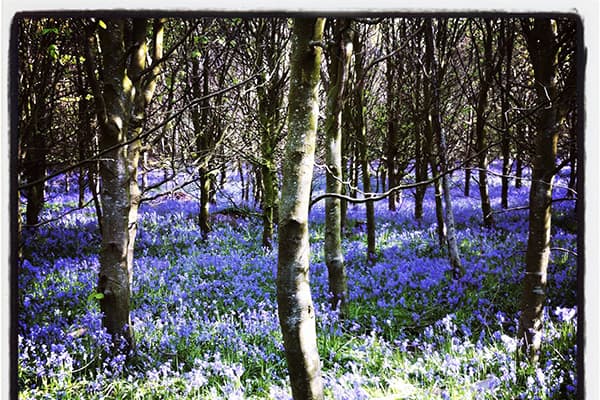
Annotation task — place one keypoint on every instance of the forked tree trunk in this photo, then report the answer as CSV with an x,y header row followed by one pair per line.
x,y
144,91
295,306
338,72
121,106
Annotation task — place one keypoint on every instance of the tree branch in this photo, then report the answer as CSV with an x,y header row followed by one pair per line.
x,y
140,136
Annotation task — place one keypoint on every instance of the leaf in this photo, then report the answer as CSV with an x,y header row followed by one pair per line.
x,y
196,53
53,51
46,31
102,24
95,296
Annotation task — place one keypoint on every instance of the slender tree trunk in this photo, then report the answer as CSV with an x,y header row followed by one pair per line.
x,y
200,87
270,100
467,191
436,125
519,172
295,306
421,151
338,72
35,169
485,79
361,125
392,141
144,91
573,160
439,207
507,55
542,48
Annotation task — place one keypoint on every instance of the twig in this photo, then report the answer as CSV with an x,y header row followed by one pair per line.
x,y
59,217
137,137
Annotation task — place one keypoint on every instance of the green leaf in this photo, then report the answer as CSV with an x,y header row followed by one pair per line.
x,y
53,51
196,53
95,296
102,24
46,31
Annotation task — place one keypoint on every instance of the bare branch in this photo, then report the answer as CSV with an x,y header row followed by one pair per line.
x,y
137,137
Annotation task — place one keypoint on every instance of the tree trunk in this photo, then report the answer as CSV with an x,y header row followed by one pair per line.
x,y
361,128
438,131
200,87
485,80
144,91
542,48
338,73
507,55
518,172
392,136
114,281
35,169
421,151
295,306
270,99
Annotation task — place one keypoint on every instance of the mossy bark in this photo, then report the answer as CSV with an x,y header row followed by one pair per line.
x,y
270,91
295,306
341,53
114,277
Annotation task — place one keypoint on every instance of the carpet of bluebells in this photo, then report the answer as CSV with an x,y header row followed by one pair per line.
x,y
205,313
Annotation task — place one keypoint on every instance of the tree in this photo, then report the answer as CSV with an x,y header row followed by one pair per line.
x,y
340,54
121,95
39,72
271,38
548,41
507,38
295,306
360,125
436,74
486,71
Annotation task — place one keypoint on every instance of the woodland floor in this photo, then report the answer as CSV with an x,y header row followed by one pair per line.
x,y
205,315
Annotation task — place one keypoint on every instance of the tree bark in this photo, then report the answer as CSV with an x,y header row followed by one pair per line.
x,y
485,80
542,46
421,150
341,53
270,100
361,128
114,277
508,38
200,88
295,306
436,125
